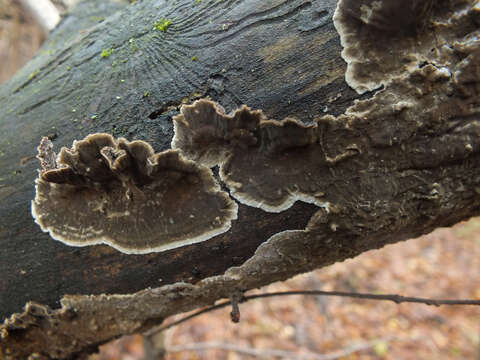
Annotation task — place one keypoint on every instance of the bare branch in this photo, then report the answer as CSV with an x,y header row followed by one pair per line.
x,y
386,297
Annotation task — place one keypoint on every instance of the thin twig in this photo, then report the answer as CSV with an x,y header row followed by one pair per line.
x,y
388,297
271,353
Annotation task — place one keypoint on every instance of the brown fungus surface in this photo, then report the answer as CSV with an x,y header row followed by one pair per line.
x,y
122,194
265,163
205,133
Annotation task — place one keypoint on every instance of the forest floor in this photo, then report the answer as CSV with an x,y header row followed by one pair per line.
x,y
443,264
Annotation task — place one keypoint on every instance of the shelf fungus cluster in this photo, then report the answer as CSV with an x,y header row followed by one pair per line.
x,y
121,193
265,163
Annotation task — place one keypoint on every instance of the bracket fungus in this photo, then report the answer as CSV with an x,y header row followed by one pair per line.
x,y
380,39
265,163
121,193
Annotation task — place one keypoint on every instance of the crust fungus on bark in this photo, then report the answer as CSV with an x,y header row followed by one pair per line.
x,y
123,194
270,164
394,166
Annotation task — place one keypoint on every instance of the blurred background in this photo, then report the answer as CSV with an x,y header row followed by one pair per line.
x,y
443,264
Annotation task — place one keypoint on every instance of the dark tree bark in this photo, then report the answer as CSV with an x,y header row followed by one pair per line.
x,y
400,162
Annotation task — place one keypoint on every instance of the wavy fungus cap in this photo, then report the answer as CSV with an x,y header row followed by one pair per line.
x,y
123,194
265,163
